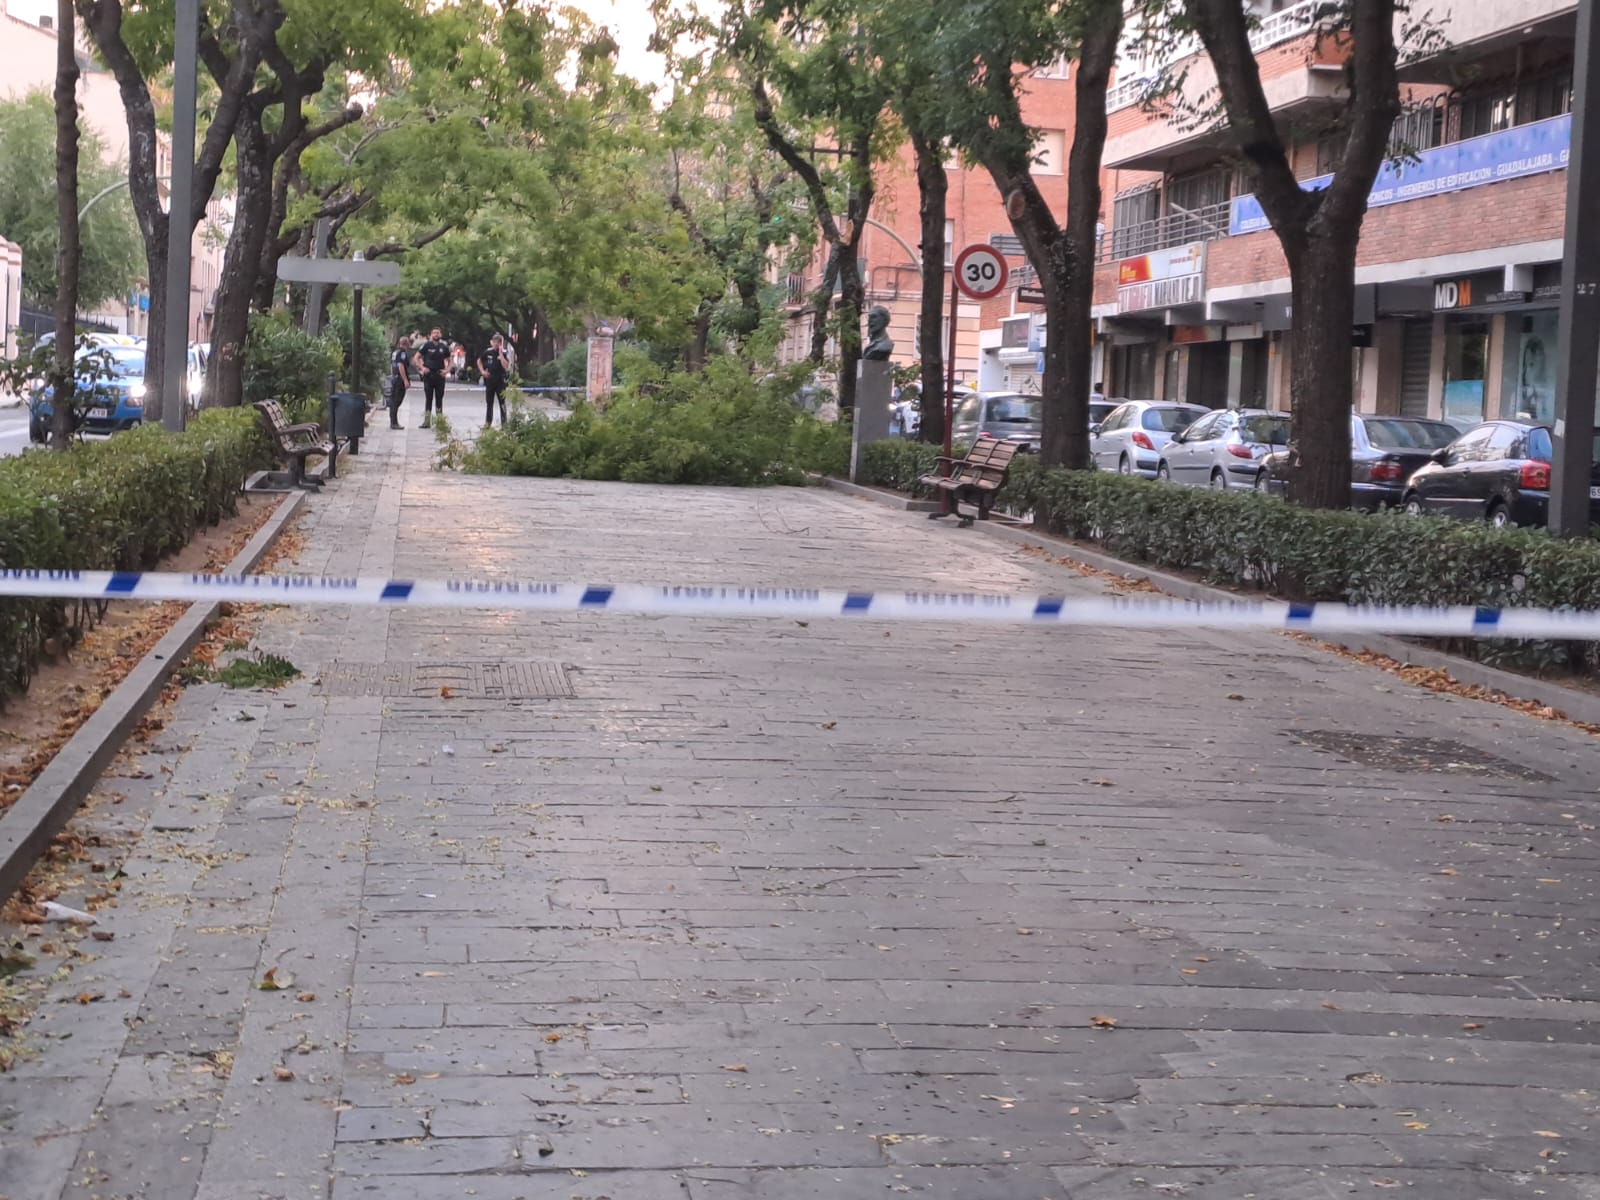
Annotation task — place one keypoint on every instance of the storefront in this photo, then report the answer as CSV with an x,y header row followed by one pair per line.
x,y
1499,352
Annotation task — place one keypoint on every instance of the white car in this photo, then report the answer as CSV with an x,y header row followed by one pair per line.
x,y
1130,439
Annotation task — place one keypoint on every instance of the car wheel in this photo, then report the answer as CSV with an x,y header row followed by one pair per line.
x,y
1163,472
1499,514
1124,466
1261,483
1412,505
1219,481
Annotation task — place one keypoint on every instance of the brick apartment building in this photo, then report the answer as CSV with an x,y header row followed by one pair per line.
x,y
976,213
29,65
1460,260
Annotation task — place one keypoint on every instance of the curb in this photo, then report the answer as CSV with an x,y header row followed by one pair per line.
x,y
1577,705
887,499
55,796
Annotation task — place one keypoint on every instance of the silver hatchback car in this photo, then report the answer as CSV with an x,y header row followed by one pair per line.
x,y
1223,449
1130,439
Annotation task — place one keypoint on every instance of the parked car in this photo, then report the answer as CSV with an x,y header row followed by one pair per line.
x,y
1130,438
118,399
199,355
1100,408
1497,472
1008,415
1223,449
1384,451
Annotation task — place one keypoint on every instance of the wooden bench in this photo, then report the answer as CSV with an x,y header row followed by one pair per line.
x,y
977,477
294,443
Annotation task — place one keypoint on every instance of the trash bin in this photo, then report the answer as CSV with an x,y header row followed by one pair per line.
x,y
347,418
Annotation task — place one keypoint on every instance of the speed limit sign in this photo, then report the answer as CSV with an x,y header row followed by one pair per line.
x,y
981,272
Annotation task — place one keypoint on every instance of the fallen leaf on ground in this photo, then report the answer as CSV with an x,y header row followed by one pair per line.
x,y
282,1074
1235,696
1416,1124
102,935
436,974
1446,871
1103,1022
90,997
1549,1133
276,981
552,1037
1201,958
404,1080
1190,971
830,725
306,997
739,1067
1471,1025
445,693
1330,1006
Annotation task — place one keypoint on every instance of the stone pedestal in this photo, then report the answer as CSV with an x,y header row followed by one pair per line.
x,y
874,392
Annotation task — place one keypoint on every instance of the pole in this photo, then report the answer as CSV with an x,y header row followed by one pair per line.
x,y
945,507
180,220
1578,365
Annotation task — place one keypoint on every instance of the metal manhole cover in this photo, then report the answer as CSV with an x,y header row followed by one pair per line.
x,y
1435,756
466,680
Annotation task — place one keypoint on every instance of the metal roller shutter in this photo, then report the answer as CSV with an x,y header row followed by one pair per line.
x,y
1416,362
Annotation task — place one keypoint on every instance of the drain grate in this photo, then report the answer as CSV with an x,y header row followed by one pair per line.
x,y
466,680
1417,755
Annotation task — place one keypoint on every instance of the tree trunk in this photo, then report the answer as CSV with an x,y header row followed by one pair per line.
x,y
1073,311
69,254
851,298
821,307
933,187
1322,287
694,357
241,267
1064,435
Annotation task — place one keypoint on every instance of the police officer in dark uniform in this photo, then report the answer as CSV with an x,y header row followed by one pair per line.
x,y
399,380
494,368
434,358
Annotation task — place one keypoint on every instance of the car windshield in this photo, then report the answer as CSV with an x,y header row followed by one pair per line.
x,y
1391,433
1169,420
127,362
1270,431
1014,410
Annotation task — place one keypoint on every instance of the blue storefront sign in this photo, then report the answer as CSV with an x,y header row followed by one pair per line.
x,y
1507,154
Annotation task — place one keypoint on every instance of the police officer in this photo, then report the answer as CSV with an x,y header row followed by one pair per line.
x,y
434,359
399,380
494,366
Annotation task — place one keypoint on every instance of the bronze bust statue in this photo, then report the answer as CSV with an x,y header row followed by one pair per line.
x,y
879,346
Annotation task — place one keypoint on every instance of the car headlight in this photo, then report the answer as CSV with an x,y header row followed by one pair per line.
x,y
134,401
136,391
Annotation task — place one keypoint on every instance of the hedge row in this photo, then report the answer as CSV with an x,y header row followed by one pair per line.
x,y
120,504
1240,539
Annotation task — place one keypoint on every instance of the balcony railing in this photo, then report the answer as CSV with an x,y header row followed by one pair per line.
x,y
1175,229
797,290
1292,22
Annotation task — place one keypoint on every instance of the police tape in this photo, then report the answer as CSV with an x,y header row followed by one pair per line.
x,y
1125,612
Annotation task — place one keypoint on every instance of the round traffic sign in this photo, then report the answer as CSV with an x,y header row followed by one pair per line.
x,y
981,272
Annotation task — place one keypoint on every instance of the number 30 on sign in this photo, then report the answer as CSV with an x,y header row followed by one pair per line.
x,y
981,272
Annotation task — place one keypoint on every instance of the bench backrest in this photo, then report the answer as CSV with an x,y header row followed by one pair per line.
x,y
1002,454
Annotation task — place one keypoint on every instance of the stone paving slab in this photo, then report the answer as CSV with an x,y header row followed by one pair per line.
x,y
775,910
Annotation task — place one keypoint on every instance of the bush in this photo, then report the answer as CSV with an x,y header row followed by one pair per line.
x,y
375,351
1245,540
282,362
114,505
720,427
898,464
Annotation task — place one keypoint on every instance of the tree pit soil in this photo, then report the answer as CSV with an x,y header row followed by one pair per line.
x,y
69,688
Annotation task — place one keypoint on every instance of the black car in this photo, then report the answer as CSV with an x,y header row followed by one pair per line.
x,y
1498,471
1384,451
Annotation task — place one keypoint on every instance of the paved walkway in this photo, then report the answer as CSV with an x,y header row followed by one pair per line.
x,y
712,910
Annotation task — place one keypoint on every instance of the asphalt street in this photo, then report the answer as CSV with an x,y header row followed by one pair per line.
x,y
13,429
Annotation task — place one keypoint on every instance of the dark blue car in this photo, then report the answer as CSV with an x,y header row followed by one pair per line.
x,y
115,400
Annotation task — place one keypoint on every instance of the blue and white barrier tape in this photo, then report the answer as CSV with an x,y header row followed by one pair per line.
x,y
1143,612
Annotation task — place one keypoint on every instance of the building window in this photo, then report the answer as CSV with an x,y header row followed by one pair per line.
x,y
1061,68
949,243
1191,193
1050,152
1330,149
1129,212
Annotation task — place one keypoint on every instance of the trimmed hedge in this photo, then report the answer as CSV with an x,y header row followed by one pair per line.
x,y
1241,539
120,504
